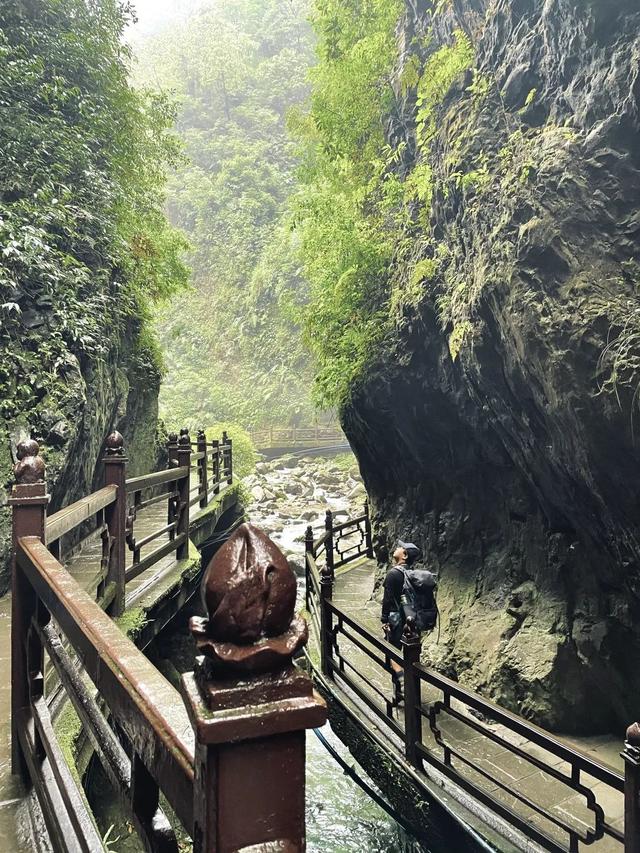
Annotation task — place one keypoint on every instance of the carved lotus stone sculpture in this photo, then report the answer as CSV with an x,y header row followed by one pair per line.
x,y
30,468
250,595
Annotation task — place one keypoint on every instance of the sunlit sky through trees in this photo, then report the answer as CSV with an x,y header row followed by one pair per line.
x,y
153,14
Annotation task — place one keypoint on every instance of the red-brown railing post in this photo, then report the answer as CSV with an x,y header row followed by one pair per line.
x,y
250,707
367,530
29,500
326,621
412,698
203,477
631,755
308,551
172,462
184,494
172,450
215,461
227,454
328,526
308,540
115,474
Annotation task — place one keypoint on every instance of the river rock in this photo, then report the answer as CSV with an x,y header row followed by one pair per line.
x,y
356,492
327,480
286,462
257,493
295,488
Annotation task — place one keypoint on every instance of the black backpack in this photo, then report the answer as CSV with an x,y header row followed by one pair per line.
x,y
419,598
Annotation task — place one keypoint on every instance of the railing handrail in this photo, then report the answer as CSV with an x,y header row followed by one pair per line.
x,y
381,645
75,514
523,727
334,535
145,704
340,635
292,434
320,541
351,522
474,700
157,478
145,733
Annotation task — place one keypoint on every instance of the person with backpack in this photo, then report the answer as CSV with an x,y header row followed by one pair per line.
x,y
409,592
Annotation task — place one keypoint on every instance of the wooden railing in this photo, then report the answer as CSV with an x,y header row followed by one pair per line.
x,y
213,463
296,436
144,733
362,662
339,545
56,613
112,512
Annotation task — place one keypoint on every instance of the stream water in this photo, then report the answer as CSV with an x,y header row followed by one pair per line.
x,y
341,818
286,496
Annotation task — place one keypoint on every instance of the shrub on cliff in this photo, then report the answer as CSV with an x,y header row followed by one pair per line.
x,y
85,243
343,212
245,455
362,199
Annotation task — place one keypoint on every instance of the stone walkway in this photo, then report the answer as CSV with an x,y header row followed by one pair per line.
x,y
352,593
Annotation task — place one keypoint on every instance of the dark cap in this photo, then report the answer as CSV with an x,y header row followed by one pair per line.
x,y
413,552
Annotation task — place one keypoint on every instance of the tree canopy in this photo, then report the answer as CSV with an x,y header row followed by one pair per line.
x,y
86,246
232,343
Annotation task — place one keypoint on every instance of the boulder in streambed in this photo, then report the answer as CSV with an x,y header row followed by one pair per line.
x,y
286,462
295,488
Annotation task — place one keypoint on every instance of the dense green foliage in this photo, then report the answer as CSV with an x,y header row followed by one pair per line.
x,y
359,202
232,345
85,243
345,212
245,455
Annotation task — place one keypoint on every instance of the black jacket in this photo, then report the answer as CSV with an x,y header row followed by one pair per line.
x,y
393,585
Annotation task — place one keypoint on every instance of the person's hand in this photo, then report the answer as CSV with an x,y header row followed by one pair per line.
x,y
386,628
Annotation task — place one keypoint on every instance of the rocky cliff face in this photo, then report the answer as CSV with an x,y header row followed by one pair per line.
x,y
71,422
501,428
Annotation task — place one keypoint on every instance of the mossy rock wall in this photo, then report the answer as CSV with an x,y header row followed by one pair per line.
x,y
71,423
498,428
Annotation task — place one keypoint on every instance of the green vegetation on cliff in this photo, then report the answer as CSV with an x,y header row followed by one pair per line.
x,y
85,247
85,243
346,211
366,197
232,344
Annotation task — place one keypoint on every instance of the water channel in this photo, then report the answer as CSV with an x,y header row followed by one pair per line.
x,y
286,496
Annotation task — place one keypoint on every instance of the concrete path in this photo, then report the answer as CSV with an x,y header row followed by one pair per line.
x,y
353,593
